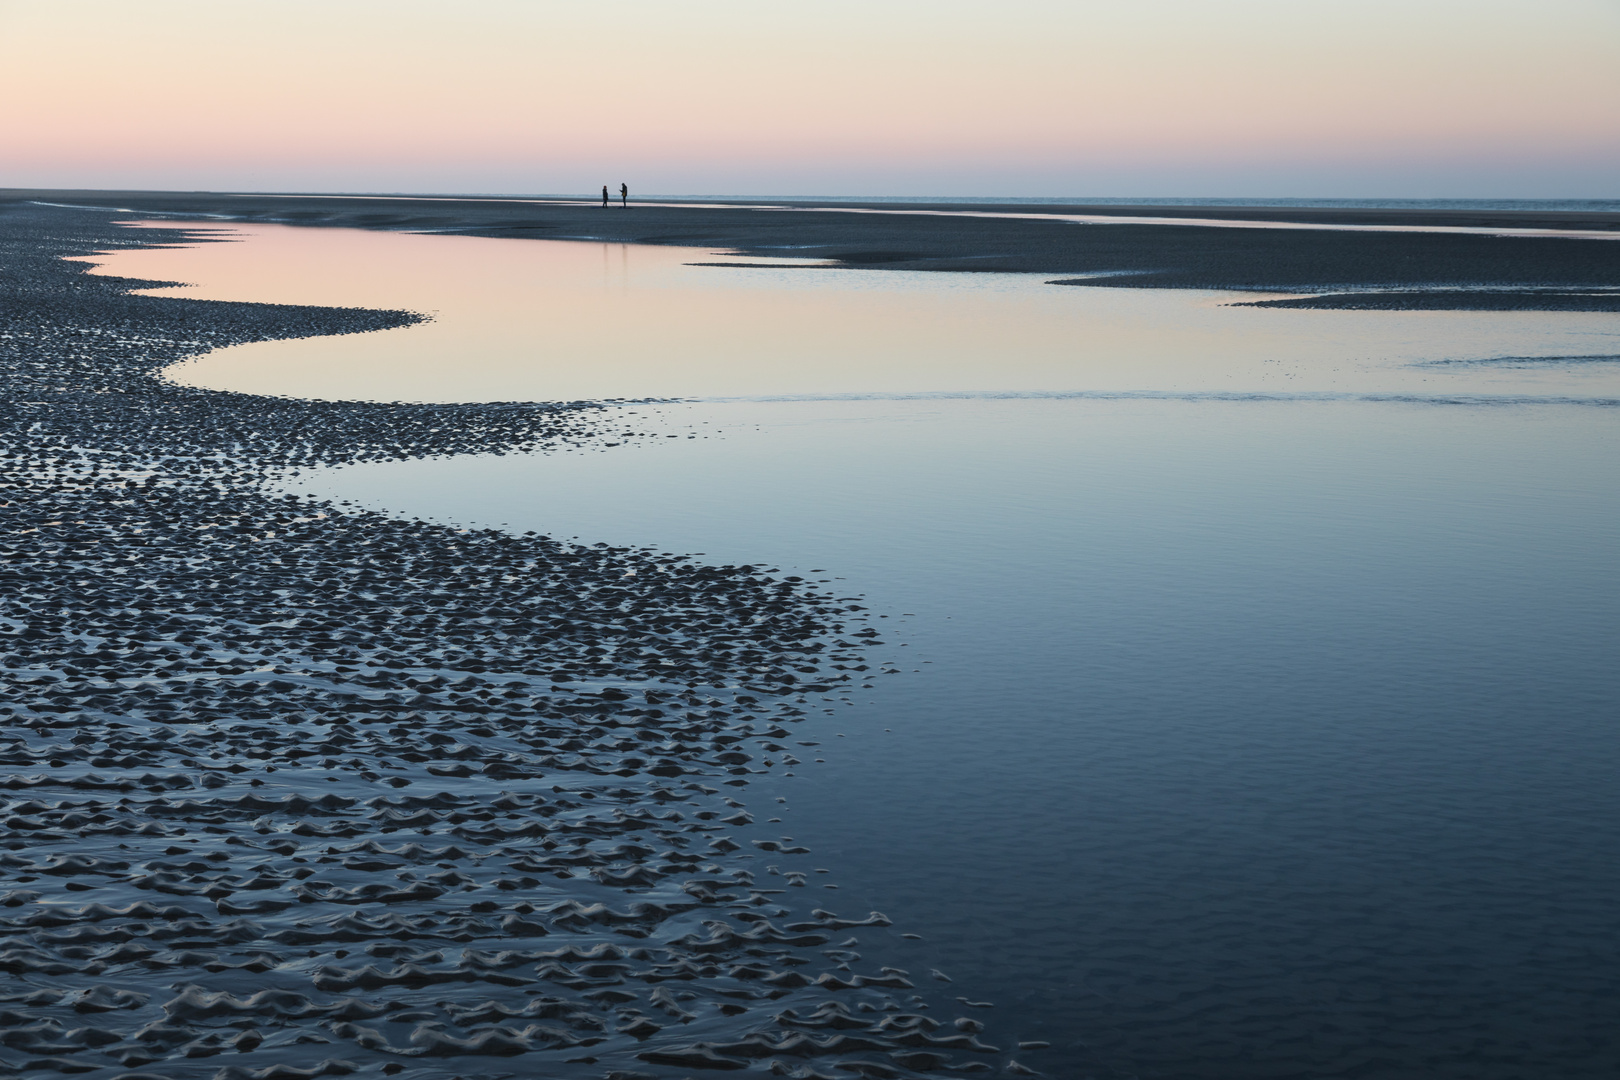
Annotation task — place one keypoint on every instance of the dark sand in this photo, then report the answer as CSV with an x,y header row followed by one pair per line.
x,y
1530,273
291,791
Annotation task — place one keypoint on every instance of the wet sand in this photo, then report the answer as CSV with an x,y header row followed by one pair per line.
x,y
1435,271
292,791
296,791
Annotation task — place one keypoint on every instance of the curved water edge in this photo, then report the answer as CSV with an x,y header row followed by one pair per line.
x,y
326,791
547,320
1207,662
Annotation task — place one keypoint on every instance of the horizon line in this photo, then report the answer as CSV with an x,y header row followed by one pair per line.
x,y
1273,200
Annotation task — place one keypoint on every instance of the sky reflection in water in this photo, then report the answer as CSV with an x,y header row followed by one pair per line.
x,y
1233,737
553,320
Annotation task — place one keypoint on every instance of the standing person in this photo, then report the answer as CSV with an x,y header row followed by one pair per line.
x,y
604,197
624,195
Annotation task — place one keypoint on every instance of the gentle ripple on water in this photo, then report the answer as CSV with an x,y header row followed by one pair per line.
x,y
1255,711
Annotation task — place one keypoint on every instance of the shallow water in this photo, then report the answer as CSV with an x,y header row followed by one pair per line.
x,y
1254,716
554,320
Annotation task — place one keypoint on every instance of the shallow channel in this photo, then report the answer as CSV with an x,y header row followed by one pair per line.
x,y
1253,701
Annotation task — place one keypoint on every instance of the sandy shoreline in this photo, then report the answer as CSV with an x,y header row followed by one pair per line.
x,y
323,792
294,788
1521,272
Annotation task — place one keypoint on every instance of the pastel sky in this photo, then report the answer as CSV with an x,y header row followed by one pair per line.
x,y
1377,98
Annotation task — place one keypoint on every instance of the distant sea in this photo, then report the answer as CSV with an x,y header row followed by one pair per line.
x,y
1576,205
1571,205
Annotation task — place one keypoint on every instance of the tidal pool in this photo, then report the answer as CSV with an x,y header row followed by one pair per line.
x,y
538,320
1253,702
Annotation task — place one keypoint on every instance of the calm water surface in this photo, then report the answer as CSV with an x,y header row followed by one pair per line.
x,y
1255,712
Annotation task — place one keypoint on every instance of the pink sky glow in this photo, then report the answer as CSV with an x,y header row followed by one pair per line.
x,y
1423,98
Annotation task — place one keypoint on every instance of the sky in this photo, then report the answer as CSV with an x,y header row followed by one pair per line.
x,y
1151,98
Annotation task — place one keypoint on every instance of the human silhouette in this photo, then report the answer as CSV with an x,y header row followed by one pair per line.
x,y
624,195
604,197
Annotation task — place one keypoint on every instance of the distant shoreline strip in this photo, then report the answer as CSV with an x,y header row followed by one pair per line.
x,y
1073,219
1174,395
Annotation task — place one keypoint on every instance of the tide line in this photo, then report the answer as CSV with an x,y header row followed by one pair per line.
x,y
1174,395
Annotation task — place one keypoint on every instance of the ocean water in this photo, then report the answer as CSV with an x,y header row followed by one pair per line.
x,y
1537,205
1578,205
1248,702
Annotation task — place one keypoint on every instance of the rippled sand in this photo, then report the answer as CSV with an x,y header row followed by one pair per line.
x,y
297,792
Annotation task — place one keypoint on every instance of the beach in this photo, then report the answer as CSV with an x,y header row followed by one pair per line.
x,y
352,772
1432,270
302,789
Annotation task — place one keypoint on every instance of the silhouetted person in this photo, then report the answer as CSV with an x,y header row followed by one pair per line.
x,y
604,197
624,196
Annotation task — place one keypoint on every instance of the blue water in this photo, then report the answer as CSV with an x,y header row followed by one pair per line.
x,y
1230,739
1248,702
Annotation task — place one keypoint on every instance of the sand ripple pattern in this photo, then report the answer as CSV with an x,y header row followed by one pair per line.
x,y
290,792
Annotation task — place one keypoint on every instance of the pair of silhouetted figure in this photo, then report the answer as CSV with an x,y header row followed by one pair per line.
x,y
624,195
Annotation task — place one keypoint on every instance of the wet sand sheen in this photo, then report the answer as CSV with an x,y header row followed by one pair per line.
x,y
1223,697
300,792
347,646
1058,829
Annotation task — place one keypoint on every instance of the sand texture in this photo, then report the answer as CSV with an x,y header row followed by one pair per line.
x,y
291,791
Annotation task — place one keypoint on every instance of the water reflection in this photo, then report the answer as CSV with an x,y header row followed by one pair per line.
x,y
559,320
1231,737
